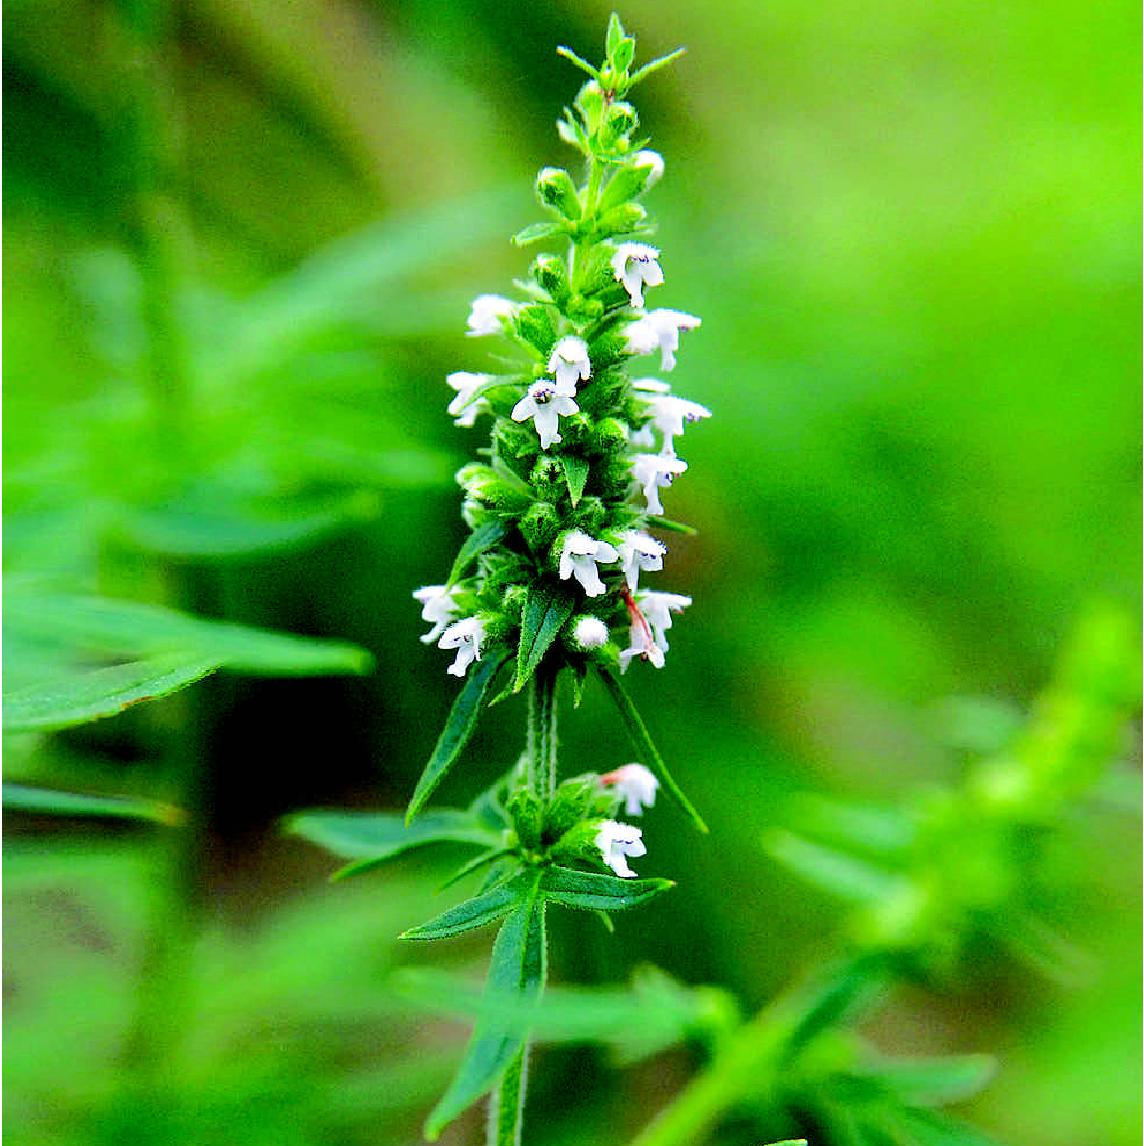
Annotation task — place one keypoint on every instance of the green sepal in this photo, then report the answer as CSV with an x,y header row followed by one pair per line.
x,y
614,37
535,326
534,232
517,968
527,814
643,742
557,192
476,912
593,891
545,612
458,727
627,183
575,474
571,802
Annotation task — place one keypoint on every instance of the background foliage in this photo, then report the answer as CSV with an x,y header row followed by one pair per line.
x,y
912,235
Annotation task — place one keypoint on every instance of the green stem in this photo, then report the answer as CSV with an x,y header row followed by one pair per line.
x,y
542,732
151,152
750,1063
506,1104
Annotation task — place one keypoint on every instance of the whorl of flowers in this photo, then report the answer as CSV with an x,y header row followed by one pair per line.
x,y
580,453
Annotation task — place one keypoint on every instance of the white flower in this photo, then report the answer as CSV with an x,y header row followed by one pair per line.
x,y
487,313
578,557
653,161
639,551
655,472
669,414
636,266
440,607
657,609
616,842
590,633
466,405
544,404
635,785
659,330
464,636
569,362
643,645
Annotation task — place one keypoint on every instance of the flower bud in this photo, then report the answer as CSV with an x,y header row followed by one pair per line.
x,y
550,273
555,190
621,220
588,633
540,525
637,175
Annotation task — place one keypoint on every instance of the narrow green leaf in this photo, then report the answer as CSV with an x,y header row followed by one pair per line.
x,y
370,838
655,65
669,526
575,474
481,539
534,232
594,891
928,1128
614,35
475,912
834,871
77,696
581,63
545,612
517,969
644,744
475,864
458,728
44,802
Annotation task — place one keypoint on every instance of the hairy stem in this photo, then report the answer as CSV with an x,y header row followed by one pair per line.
x,y
542,732
751,1061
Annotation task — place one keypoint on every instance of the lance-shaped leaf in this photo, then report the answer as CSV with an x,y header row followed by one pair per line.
x,y
936,1081
476,912
644,744
458,727
545,612
46,802
77,695
575,475
482,538
594,891
517,969
370,838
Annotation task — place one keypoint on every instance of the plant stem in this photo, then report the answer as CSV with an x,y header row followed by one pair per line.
x,y
542,732
750,1062
506,1104
151,153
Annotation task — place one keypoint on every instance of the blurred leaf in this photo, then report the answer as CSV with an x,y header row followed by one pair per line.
x,y
517,968
372,838
458,727
883,833
55,628
595,891
840,874
77,696
935,1082
645,747
476,912
211,528
544,613
42,801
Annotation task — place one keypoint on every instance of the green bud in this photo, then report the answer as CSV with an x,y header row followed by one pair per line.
x,y
638,173
534,324
484,484
555,190
550,272
590,103
621,120
590,515
571,802
621,220
540,525
527,816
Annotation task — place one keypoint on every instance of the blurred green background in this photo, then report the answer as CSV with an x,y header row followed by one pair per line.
x,y
912,233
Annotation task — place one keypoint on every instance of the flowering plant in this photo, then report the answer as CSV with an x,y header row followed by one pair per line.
x,y
547,584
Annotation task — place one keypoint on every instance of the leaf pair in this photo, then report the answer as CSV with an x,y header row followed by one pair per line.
x,y
517,970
